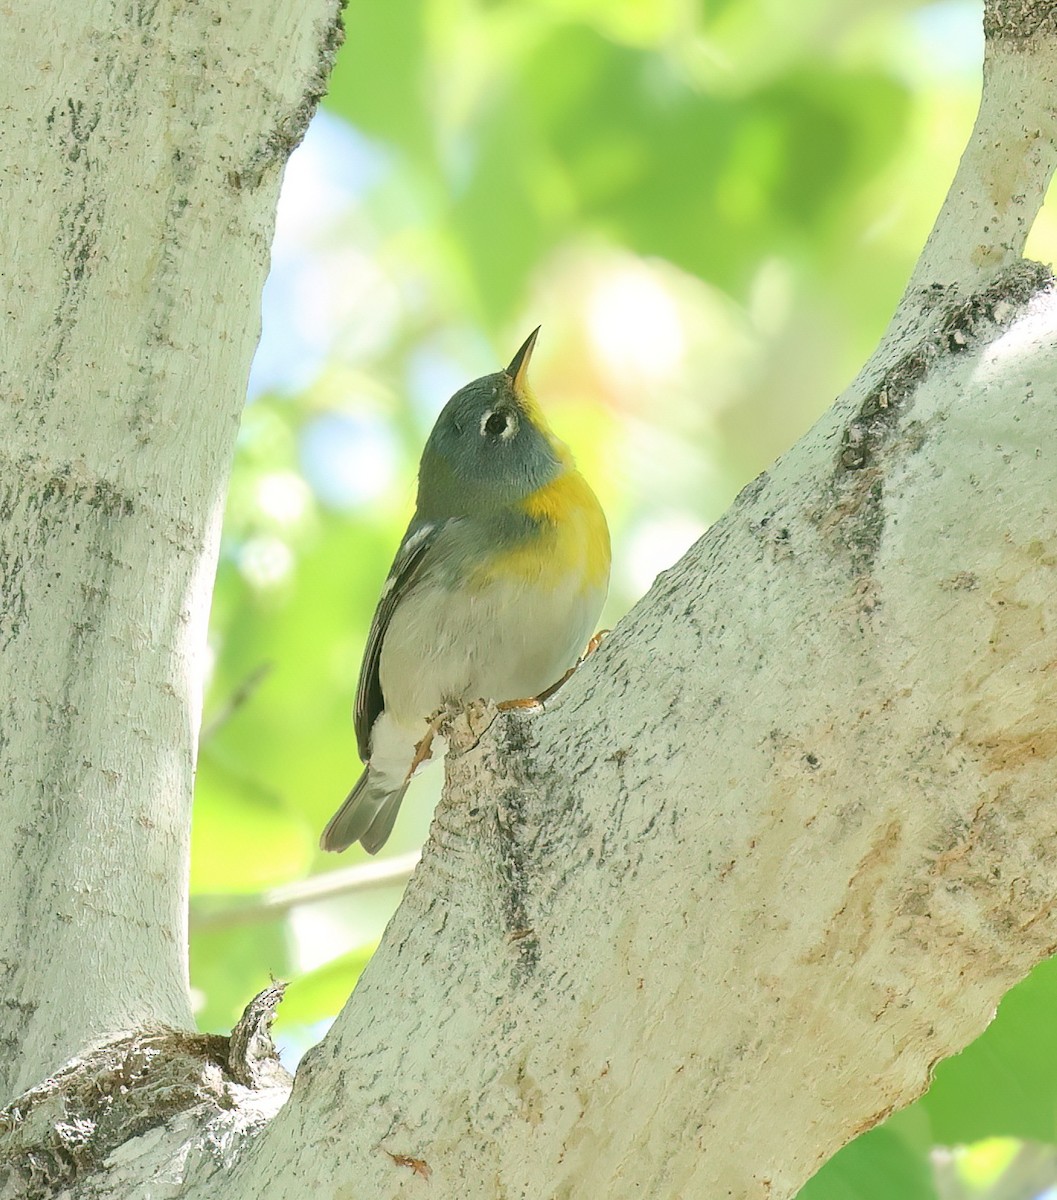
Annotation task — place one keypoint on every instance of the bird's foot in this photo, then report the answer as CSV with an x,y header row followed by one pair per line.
x,y
546,694
424,749
529,702
477,716
461,735
593,645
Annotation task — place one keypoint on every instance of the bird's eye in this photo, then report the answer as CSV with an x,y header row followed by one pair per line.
x,y
499,424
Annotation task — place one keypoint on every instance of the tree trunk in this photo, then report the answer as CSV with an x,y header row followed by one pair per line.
x,y
780,846
144,147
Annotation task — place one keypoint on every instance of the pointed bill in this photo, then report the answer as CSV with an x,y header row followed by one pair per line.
x,y
518,369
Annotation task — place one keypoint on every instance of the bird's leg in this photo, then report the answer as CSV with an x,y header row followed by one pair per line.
x,y
424,749
593,645
546,694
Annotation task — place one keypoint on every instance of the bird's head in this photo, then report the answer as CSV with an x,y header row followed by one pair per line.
x,y
491,445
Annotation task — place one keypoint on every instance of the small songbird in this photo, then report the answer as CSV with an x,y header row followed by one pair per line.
x,y
493,594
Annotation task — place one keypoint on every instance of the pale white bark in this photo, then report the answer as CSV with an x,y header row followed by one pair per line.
x,y
143,146
780,846
1003,174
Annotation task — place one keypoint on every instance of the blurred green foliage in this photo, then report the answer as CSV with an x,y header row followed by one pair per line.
x,y
712,208
1002,1086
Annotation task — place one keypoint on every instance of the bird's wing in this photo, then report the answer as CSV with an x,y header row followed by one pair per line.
x,y
406,568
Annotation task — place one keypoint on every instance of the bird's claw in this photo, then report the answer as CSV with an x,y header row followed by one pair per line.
x,y
546,694
478,714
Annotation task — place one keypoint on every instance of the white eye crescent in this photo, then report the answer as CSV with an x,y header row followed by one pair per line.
x,y
501,424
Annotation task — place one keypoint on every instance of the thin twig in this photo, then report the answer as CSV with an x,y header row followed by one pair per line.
x,y
237,699
266,906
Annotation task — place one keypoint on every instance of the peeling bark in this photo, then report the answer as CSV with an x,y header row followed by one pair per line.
x,y
63,1132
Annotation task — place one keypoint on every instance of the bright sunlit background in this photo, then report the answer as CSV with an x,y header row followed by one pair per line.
x,y
711,206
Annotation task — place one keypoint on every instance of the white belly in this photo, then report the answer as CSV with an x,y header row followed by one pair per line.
x,y
507,641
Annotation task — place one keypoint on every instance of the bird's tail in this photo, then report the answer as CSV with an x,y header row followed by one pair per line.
x,y
367,816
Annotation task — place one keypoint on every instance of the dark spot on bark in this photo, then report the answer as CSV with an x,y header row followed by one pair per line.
x,y
883,409
140,13
752,490
515,852
71,128
81,124
47,502
880,428
880,412
1018,20
276,147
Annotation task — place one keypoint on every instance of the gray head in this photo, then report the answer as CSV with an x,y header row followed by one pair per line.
x,y
490,447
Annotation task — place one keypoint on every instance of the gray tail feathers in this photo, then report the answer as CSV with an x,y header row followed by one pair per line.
x,y
367,816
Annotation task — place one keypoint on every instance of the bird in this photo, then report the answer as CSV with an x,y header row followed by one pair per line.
x,y
493,594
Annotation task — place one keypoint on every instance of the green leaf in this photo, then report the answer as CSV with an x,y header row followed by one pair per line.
x,y
661,164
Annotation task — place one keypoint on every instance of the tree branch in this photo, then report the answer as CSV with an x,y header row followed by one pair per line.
x,y
1011,155
208,912
776,849
240,696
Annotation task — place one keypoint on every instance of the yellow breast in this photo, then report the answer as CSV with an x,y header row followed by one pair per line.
x,y
573,536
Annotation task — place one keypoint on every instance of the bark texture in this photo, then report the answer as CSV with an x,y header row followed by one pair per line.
x,y
143,146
